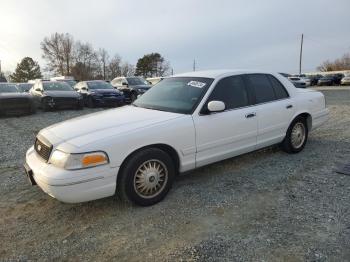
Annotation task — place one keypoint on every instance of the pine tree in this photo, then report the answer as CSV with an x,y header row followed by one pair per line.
x,y
26,70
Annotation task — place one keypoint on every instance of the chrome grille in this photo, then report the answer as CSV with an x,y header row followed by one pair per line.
x,y
42,149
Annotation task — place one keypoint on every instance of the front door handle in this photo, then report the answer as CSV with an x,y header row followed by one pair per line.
x,y
250,115
289,106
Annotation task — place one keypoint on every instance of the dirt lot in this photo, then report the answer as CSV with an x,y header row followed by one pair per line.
x,y
265,206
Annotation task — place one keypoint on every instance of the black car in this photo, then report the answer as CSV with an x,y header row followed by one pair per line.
x,y
24,87
50,95
99,93
132,87
12,102
327,80
314,79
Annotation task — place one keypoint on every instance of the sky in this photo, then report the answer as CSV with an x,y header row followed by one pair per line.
x,y
230,34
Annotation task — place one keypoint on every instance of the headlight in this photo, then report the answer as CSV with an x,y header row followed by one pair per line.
x,y
78,161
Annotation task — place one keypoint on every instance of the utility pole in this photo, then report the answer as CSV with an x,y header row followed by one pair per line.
x,y
194,64
301,52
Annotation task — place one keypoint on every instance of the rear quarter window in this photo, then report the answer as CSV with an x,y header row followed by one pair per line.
x,y
279,89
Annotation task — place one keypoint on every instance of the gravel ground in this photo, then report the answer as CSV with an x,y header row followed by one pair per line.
x,y
262,206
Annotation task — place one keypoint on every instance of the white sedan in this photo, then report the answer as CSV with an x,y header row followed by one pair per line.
x,y
184,122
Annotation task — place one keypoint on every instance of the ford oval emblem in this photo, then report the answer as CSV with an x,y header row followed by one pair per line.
x,y
38,147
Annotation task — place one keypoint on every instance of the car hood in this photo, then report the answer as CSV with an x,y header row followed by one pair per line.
x,y
14,95
86,129
61,93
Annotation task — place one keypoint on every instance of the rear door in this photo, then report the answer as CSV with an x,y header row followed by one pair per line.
x,y
228,133
274,107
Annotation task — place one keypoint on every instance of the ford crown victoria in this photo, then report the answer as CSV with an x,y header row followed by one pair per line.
x,y
182,123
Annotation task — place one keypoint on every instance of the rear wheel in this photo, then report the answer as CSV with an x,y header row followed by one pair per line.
x,y
296,136
146,178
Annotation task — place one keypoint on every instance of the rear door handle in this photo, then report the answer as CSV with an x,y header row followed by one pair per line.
x,y
289,106
250,115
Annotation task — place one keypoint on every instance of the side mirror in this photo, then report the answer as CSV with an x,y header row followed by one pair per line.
x,y
216,106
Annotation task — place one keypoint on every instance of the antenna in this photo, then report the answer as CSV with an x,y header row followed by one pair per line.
x,y
194,64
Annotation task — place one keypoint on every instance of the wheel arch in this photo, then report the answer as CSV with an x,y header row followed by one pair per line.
x,y
164,147
307,116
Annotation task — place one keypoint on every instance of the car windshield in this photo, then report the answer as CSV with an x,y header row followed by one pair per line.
x,y
57,86
99,85
134,81
175,94
8,88
24,87
69,82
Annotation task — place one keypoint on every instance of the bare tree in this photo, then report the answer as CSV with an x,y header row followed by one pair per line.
x,y
86,62
58,52
127,69
103,57
339,64
114,67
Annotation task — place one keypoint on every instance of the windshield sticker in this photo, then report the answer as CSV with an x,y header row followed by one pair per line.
x,y
196,84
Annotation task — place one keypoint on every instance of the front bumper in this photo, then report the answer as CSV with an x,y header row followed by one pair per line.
x,y
108,101
71,186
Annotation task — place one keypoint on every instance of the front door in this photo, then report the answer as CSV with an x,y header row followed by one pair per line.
x,y
228,133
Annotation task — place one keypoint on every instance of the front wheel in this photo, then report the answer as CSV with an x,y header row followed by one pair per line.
x,y
296,136
147,177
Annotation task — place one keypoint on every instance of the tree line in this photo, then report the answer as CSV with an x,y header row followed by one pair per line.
x,y
339,64
68,57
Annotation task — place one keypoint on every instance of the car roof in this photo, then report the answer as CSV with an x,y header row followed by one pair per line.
x,y
219,73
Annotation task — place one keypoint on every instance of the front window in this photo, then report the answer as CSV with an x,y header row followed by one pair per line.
x,y
134,81
99,85
175,94
56,86
8,88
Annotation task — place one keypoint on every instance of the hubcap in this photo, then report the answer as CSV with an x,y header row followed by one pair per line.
x,y
150,178
298,135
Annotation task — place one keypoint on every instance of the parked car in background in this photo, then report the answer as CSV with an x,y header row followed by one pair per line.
x,y
13,102
24,87
327,80
182,123
314,79
131,87
297,82
50,95
345,80
154,80
67,79
99,93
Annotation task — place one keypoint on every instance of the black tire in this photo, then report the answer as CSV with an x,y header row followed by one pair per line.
x,y
126,184
90,102
44,104
287,144
133,97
